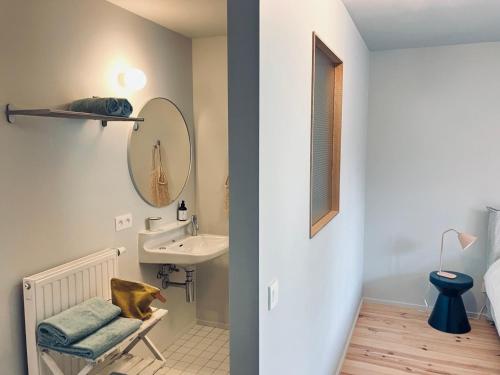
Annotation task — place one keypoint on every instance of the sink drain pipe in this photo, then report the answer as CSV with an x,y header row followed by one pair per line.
x,y
188,285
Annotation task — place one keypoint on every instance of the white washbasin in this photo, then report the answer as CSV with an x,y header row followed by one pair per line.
x,y
191,249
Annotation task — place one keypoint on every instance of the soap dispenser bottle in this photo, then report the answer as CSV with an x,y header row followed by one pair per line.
x,y
182,213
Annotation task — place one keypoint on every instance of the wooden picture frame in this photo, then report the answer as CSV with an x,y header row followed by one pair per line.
x,y
335,84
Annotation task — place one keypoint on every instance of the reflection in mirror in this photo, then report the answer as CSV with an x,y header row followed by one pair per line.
x,y
159,153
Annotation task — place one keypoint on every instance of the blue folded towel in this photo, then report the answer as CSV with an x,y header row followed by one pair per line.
x,y
102,340
103,106
76,323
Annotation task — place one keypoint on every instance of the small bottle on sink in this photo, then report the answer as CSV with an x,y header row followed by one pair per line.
x,y
182,213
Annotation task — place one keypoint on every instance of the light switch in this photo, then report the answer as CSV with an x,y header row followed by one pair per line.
x,y
123,222
272,295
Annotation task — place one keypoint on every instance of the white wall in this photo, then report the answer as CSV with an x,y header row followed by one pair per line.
x,y
433,156
321,278
63,181
210,117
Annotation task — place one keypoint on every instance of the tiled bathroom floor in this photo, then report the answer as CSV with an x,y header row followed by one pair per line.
x,y
201,350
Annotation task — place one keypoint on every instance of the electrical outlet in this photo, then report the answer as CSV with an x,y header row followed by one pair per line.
x,y
272,295
123,222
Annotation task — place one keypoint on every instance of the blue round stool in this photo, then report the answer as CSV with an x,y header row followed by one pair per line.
x,y
449,313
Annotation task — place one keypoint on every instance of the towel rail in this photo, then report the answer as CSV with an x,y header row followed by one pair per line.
x,y
10,114
491,209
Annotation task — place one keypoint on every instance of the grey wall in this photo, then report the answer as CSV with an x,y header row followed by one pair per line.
x,y
320,279
432,164
243,113
63,181
210,116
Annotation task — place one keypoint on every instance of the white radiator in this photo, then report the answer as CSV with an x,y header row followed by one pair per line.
x,y
52,291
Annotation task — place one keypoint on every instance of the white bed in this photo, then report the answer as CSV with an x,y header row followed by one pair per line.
x,y
492,276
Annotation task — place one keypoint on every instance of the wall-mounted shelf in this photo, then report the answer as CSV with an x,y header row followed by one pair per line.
x,y
10,113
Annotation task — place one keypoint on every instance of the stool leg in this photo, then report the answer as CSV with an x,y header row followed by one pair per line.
x,y
449,315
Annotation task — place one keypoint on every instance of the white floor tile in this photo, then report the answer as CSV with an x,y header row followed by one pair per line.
x,y
177,356
200,350
205,371
219,356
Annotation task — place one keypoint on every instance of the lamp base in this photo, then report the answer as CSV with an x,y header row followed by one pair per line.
x,y
448,275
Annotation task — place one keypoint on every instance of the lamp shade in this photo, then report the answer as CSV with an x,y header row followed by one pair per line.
x,y
466,240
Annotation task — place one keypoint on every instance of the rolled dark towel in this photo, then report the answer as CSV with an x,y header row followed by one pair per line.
x,y
127,108
103,106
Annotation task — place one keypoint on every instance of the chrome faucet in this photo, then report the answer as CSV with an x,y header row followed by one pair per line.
x,y
194,225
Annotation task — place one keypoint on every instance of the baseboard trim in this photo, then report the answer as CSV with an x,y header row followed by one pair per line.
x,y
348,341
422,308
395,303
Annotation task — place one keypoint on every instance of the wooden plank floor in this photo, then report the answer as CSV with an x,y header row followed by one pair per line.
x,y
390,340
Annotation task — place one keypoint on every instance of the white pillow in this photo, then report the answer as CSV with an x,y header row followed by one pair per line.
x,y
492,286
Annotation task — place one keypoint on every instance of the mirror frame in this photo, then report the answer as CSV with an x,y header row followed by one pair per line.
x,y
136,127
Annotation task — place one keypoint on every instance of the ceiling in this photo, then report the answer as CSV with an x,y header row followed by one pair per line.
x,y
192,18
391,24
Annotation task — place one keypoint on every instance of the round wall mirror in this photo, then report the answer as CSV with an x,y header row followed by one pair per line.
x,y
159,153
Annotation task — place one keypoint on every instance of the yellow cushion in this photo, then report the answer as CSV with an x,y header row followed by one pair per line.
x,y
134,298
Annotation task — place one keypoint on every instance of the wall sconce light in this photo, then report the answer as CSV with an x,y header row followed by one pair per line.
x,y
132,79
